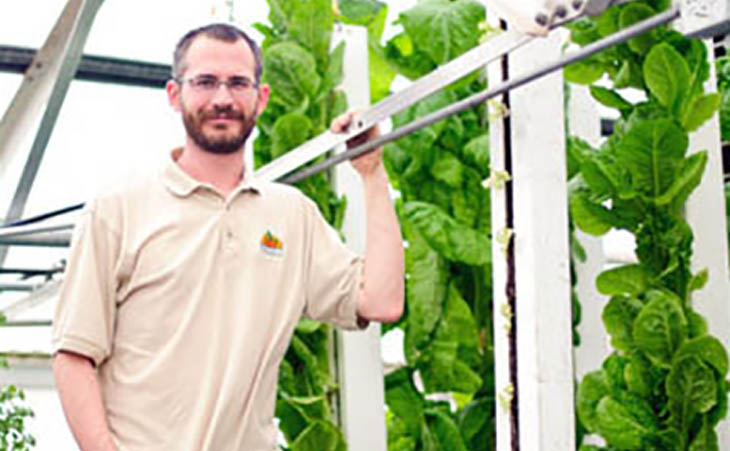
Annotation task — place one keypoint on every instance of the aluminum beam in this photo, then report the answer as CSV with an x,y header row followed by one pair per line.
x,y
40,294
37,103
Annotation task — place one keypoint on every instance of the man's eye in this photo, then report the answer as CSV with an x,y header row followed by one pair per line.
x,y
206,83
239,83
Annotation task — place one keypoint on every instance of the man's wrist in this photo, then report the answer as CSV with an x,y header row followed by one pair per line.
x,y
376,176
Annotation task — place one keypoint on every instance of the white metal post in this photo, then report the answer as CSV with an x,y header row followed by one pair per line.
x,y
705,212
585,122
542,275
536,205
360,365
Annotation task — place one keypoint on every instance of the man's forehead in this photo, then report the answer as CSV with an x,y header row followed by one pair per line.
x,y
207,54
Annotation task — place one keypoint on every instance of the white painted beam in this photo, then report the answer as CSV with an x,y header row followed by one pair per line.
x,y
543,313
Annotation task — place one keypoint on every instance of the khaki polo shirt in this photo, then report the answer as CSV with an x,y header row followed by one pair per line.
x,y
187,301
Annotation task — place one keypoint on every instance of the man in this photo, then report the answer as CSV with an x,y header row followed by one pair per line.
x,y
183,290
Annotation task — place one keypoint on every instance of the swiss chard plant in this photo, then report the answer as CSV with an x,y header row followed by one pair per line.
x,y
664,387
444,211
303,72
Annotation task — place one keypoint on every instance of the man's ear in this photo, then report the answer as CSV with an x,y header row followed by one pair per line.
x,y
173,94
262,99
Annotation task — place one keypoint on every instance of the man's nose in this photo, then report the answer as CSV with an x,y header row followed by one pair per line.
x,y
222,95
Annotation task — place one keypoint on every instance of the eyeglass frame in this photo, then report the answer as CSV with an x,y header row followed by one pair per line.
x,y
250,87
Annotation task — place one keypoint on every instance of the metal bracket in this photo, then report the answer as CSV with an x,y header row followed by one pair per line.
x,y
704,18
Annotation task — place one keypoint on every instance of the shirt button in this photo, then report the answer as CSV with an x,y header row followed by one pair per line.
x,y
229,234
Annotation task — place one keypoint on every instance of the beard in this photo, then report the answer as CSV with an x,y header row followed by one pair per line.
x,y
225,143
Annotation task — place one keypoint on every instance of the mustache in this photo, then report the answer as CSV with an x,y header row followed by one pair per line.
x,y
222,113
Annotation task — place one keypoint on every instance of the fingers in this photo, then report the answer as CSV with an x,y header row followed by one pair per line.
x,y
342,122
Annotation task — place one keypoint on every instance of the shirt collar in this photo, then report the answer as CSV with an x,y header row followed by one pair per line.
x,y
182,184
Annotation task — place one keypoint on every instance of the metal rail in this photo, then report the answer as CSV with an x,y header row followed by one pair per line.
x,y
477,99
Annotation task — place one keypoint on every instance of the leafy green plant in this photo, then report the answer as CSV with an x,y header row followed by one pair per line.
x,y
13,416
664,387
444,212
303,73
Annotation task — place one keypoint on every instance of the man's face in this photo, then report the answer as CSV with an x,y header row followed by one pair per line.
x,y
218,118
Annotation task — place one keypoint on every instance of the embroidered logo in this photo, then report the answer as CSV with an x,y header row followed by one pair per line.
x,y
271,244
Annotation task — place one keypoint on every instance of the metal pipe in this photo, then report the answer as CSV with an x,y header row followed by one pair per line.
x,y
477,99
54,239
18,287
29,323
13,232
29,272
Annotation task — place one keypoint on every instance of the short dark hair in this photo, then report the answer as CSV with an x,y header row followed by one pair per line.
x,y
222,32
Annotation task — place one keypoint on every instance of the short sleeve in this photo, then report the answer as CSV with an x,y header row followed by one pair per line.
x,y
84,318
334,275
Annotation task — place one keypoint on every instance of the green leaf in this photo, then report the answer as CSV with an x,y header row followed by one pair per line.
x,y
653,151
632,14
307,326
442,370
319,436
701,110
584,72
425,291
638,376
289,131
699,280
335,73
381,73
291,72
404,400
705,440
475,417
617,425
691,390
444,431
689,177
361,12
625,280
608,22
592,389
660,328
591,218
629,75
476,151
708,349
667,75
311,27
697,324
451,239
610,98
444,29
618,317
448,169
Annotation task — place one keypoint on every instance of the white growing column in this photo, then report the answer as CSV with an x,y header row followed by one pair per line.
x,y
705,212
360,365
585,122
536,200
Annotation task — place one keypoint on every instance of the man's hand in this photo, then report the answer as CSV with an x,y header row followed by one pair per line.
x,y
367,164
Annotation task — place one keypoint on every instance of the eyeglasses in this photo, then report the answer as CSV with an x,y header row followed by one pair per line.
x,y
208,84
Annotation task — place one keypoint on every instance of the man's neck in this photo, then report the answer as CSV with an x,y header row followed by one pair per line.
x,y
223,171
